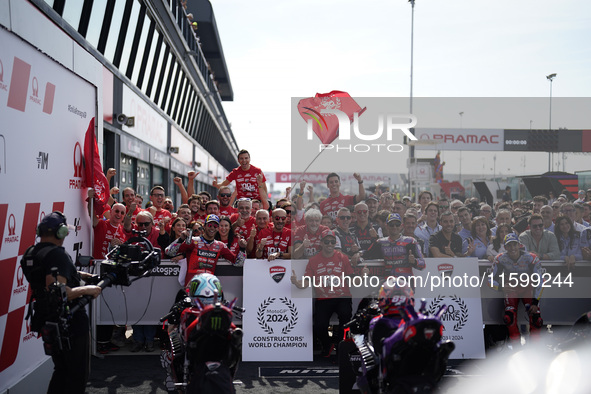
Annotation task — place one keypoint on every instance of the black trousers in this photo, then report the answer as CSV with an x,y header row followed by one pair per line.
x,y
324,310
71,367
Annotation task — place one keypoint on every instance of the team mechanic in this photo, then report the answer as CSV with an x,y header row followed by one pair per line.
x,y
71,367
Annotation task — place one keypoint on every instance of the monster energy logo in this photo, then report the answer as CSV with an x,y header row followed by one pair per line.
x,y
216,323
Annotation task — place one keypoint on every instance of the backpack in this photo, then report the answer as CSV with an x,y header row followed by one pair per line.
x,y
41,308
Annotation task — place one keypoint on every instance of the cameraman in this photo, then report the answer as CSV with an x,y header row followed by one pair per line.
x,y
71,367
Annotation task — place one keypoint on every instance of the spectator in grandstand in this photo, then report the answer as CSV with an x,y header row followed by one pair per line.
x,y
259,232
346,241
184,212
497,245
580,212
430,226
569,241
507,195
366,234
212,207
242,222
465,217
336,200
307,238
539,202
225,198
480,236
245,176
226,235
446,243
568,209
157,197
132,207
386,201
277,244
540,241
372,208
425,197
547,214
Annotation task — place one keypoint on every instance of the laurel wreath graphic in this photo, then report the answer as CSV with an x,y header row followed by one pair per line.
x,y
434,305
464,315
261,315
293,320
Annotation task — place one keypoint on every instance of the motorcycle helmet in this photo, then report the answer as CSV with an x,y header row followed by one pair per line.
x,y
393,297
203,287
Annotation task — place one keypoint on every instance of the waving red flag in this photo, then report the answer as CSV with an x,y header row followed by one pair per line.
x,y
93,170
326,126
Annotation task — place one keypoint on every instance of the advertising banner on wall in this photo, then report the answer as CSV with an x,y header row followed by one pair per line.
x,y
45,111
277,326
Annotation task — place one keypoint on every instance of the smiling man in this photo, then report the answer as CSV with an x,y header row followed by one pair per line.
x,y
336,200
539,241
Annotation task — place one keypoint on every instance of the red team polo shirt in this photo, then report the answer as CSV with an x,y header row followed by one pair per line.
x,y
246,182
322,267
244,230
331,205
315,246
104,232
277,242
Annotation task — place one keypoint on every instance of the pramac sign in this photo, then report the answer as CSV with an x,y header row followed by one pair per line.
x,y
461,139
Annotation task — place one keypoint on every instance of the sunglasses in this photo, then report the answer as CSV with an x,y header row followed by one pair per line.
x,y
281,218
334,242
143,224
344,217
225,194
537,225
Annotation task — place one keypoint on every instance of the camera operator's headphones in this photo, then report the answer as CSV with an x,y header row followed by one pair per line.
x,y
55,223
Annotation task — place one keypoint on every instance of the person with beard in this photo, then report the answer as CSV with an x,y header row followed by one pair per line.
x,y
277,241
157,197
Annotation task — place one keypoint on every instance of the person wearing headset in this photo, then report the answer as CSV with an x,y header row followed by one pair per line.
x,y
71,367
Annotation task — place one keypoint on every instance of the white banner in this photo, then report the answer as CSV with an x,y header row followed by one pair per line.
x,y
277,326
461,139
45,111
460,291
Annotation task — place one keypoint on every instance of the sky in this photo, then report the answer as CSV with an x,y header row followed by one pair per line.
x,y
276,50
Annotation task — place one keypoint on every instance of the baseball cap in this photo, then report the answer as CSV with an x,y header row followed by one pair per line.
x,y
372,197
212,218
392,217
406,198
511,237
327,233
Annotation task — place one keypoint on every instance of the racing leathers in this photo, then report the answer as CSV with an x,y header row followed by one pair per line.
x,y
395,253
202,255
505,270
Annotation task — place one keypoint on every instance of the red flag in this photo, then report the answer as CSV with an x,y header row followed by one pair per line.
x,y
93,170
326,126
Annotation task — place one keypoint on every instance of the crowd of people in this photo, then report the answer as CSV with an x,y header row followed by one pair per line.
x,y
240,222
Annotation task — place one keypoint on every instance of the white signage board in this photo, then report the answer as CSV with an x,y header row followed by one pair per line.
x,y
45,111
461,139
277,323
456,284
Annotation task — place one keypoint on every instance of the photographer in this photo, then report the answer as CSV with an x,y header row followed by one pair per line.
x,y
70,366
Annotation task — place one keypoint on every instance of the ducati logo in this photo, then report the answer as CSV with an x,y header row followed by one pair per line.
x,y
446,269
277,273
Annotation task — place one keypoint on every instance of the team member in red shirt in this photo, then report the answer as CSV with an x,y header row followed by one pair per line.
x,y
195,205
245,177
131,204
242,222
325,265
336,200
307,237
143,222
108,233
259,232
277,243
157,196
212,207
224,198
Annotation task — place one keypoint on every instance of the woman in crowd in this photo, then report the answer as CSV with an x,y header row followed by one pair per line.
x,y
226,235
165,238
480,236
569,240
497,245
